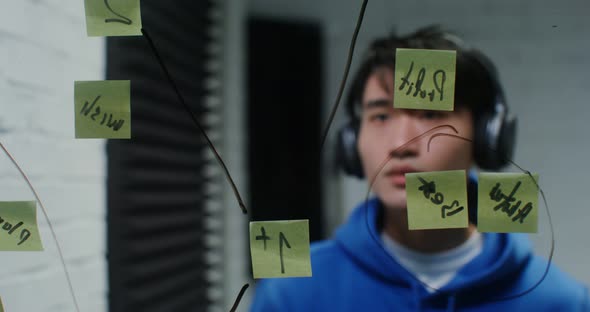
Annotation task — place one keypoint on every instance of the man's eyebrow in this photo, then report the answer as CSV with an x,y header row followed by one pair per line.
x,y
378,103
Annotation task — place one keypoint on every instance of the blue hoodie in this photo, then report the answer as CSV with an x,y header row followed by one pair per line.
x,y
353,272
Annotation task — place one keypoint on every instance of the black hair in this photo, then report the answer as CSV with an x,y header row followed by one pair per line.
x,y
475,73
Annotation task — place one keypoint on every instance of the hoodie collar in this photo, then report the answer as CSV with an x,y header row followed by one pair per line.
x,y
360,238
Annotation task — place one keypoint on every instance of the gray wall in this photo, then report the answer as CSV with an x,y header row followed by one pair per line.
x,y
542,69
233,150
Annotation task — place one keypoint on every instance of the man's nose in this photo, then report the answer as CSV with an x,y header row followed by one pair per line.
x,y
403,137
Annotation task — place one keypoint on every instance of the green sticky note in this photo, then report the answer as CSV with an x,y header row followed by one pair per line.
x,y
424,79
18,226
436,200
113,17
102,109
280,248
507,202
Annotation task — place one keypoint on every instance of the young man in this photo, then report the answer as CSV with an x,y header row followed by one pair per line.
x,y
374,263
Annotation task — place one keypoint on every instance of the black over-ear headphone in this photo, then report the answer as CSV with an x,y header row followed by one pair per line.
x,y
494,132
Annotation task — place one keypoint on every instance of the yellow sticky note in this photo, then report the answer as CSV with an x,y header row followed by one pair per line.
x,y
103,109
280,248
424,79
112,17
1,306
507,202
18,226
436,200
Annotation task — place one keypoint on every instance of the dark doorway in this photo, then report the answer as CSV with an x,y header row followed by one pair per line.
x,y
284,121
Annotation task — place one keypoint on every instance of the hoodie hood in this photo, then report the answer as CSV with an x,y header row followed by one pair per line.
x,y
502,256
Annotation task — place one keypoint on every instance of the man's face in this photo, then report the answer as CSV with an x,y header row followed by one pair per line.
x,y
383,129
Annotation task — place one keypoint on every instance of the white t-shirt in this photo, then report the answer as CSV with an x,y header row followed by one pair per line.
x,y
435,269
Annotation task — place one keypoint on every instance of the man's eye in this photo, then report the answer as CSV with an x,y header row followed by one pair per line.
x,y
431,114
379,117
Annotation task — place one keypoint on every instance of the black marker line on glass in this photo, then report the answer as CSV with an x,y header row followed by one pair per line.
x,y
194,118
359,21
239,298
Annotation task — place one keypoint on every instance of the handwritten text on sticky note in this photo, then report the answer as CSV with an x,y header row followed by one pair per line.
x,y
280,248
113,17
102,109
18,226
436,200
507,202
424,79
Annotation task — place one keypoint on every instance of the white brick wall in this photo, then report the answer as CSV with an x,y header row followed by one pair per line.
x,y
542,69
44,49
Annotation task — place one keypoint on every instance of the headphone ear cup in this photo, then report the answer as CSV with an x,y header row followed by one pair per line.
x,y
495,132
507,140
347,150
494,141
481,142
